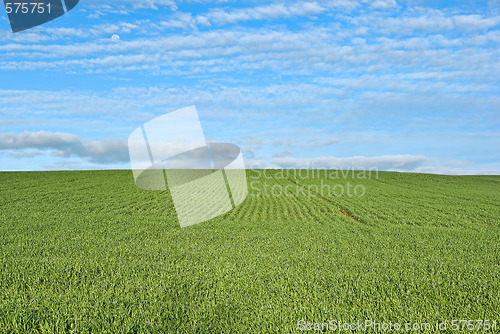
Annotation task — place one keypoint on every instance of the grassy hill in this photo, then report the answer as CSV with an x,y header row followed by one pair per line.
x,y
89,251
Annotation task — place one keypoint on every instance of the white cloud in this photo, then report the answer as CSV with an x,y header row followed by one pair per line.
x,y
27,144
457,170
384,4
429,21
306,9
151,4
127,6
385,162
113,153
204,21
63,32
308,50
39,140
475,22
272,11
344,4
183,20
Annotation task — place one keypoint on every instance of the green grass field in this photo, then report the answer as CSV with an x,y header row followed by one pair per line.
x,y
88,251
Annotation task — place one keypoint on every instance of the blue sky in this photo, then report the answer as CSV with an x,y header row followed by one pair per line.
x,y
387,84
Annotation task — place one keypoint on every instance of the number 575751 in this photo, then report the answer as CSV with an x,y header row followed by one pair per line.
x,y
27,8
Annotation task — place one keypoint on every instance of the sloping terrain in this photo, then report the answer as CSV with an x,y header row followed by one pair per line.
x,y
89,251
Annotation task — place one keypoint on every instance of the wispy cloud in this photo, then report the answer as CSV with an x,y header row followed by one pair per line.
x,y
99,9
378,78
383,4
268,12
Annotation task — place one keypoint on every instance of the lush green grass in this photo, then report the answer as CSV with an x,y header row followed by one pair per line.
x,y
89,251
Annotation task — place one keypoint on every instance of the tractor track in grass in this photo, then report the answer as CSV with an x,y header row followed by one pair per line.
x,y
340,209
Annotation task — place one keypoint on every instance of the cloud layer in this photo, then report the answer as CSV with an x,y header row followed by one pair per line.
x,y
398,85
